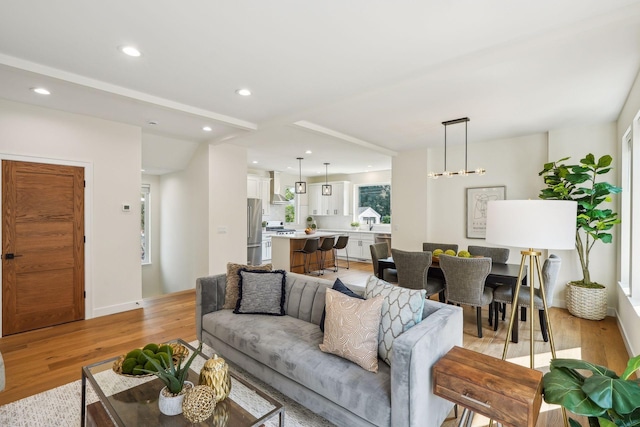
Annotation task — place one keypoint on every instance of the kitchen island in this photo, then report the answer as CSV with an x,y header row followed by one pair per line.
x,y
283,247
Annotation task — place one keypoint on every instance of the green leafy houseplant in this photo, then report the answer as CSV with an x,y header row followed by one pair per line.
x,y
172,375
606,399
355,224
579,183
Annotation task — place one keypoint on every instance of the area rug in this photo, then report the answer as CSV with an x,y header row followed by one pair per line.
x,y
61,406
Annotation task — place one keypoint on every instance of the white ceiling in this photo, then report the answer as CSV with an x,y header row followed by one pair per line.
x,y
354,82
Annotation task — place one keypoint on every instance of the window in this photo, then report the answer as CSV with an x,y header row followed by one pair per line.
x,y
374,204
145,224
630,236
290,209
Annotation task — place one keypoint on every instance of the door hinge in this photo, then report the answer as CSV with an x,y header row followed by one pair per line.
x,y
84,239
84,294
84,184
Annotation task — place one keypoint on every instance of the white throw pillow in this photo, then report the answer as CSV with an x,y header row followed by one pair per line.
x,y
401,309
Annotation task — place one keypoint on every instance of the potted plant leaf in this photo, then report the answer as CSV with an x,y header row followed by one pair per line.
x,y
606,399
355,225
579,182
174,376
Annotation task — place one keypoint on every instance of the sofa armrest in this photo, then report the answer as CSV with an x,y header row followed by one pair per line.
x,y
414,354
210,292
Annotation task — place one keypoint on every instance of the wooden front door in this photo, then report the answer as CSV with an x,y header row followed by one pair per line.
x,y
42,245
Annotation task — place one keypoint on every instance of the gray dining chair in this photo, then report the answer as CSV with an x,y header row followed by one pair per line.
x,y
428,246
413,272
503,294
497,255
465,284
379,251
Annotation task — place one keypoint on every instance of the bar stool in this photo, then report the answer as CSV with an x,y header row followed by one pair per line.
x,y
341,243
310,247
326,246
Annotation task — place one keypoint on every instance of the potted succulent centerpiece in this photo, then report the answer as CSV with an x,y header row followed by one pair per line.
x,y
355,225
174,376
606,399
585,298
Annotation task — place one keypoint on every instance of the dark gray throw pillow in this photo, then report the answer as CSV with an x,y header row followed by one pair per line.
x,y
340,287
261,292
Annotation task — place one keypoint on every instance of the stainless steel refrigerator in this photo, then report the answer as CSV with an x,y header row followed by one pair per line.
x,y
254,231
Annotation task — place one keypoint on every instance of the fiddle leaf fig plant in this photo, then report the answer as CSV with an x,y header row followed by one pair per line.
x,y
606,399
580,183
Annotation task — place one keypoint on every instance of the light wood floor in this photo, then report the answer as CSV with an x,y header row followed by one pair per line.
x,y
40,360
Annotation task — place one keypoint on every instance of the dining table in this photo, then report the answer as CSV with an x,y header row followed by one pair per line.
x,y
506,274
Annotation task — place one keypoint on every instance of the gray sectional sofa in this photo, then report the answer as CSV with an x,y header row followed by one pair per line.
x,y
283,352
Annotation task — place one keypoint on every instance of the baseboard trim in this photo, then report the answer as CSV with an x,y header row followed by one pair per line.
x,y
118,308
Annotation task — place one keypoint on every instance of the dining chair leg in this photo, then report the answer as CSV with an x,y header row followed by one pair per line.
x,y
523,314
495,306
543,326
479,320
441,296
504,310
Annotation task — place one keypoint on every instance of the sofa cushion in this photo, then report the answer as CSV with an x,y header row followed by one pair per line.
x,y
352,329
290,346
261,292
401,309
340,287
233,278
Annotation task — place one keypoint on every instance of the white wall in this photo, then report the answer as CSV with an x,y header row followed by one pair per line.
x,y
576,143
409,200
184,226
114,152
628,310
513,163
435,210
227,207
152,282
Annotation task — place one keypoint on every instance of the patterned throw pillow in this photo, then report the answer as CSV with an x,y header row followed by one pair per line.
x,y
351,329
261,292
401,309
231,294
340,287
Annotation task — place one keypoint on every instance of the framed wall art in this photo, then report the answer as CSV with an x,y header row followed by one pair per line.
x,y
477,199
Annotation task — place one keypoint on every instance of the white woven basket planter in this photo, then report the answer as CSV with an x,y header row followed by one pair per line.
x,y
586,303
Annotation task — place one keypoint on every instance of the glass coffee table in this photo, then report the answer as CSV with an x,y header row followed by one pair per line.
x,y
133,401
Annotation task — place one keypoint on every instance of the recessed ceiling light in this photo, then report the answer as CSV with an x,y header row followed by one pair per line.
x,y
369,166
141,170
289,167
255,162
207,128
130,50
307,152
152,122
41,91
243,92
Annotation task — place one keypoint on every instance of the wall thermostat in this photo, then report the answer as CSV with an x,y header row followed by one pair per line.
x,y
126,207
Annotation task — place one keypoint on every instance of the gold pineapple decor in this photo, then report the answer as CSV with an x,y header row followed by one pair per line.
x,y
215,374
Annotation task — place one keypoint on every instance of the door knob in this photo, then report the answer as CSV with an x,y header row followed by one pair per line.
x,y
10,256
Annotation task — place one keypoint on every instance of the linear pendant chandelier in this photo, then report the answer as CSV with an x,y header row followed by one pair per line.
x,y
326,188
462,172
300,186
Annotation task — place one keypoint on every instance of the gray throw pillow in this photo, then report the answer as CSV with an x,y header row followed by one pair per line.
x,y
261,292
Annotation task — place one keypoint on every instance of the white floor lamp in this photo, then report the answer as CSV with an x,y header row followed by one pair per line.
x,y
543,224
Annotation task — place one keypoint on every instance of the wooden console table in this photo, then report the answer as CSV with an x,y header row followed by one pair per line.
x,y
503,391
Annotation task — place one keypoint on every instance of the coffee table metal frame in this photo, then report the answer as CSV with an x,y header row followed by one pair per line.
x,y
87,375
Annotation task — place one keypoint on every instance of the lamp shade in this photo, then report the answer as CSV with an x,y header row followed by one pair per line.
x,y
540,224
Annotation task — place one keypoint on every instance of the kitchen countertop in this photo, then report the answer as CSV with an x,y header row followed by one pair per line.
x,y
302,235
355,231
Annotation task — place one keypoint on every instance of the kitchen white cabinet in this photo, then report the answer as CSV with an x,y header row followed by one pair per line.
x,y
338,203
266,249
358,246
259,187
